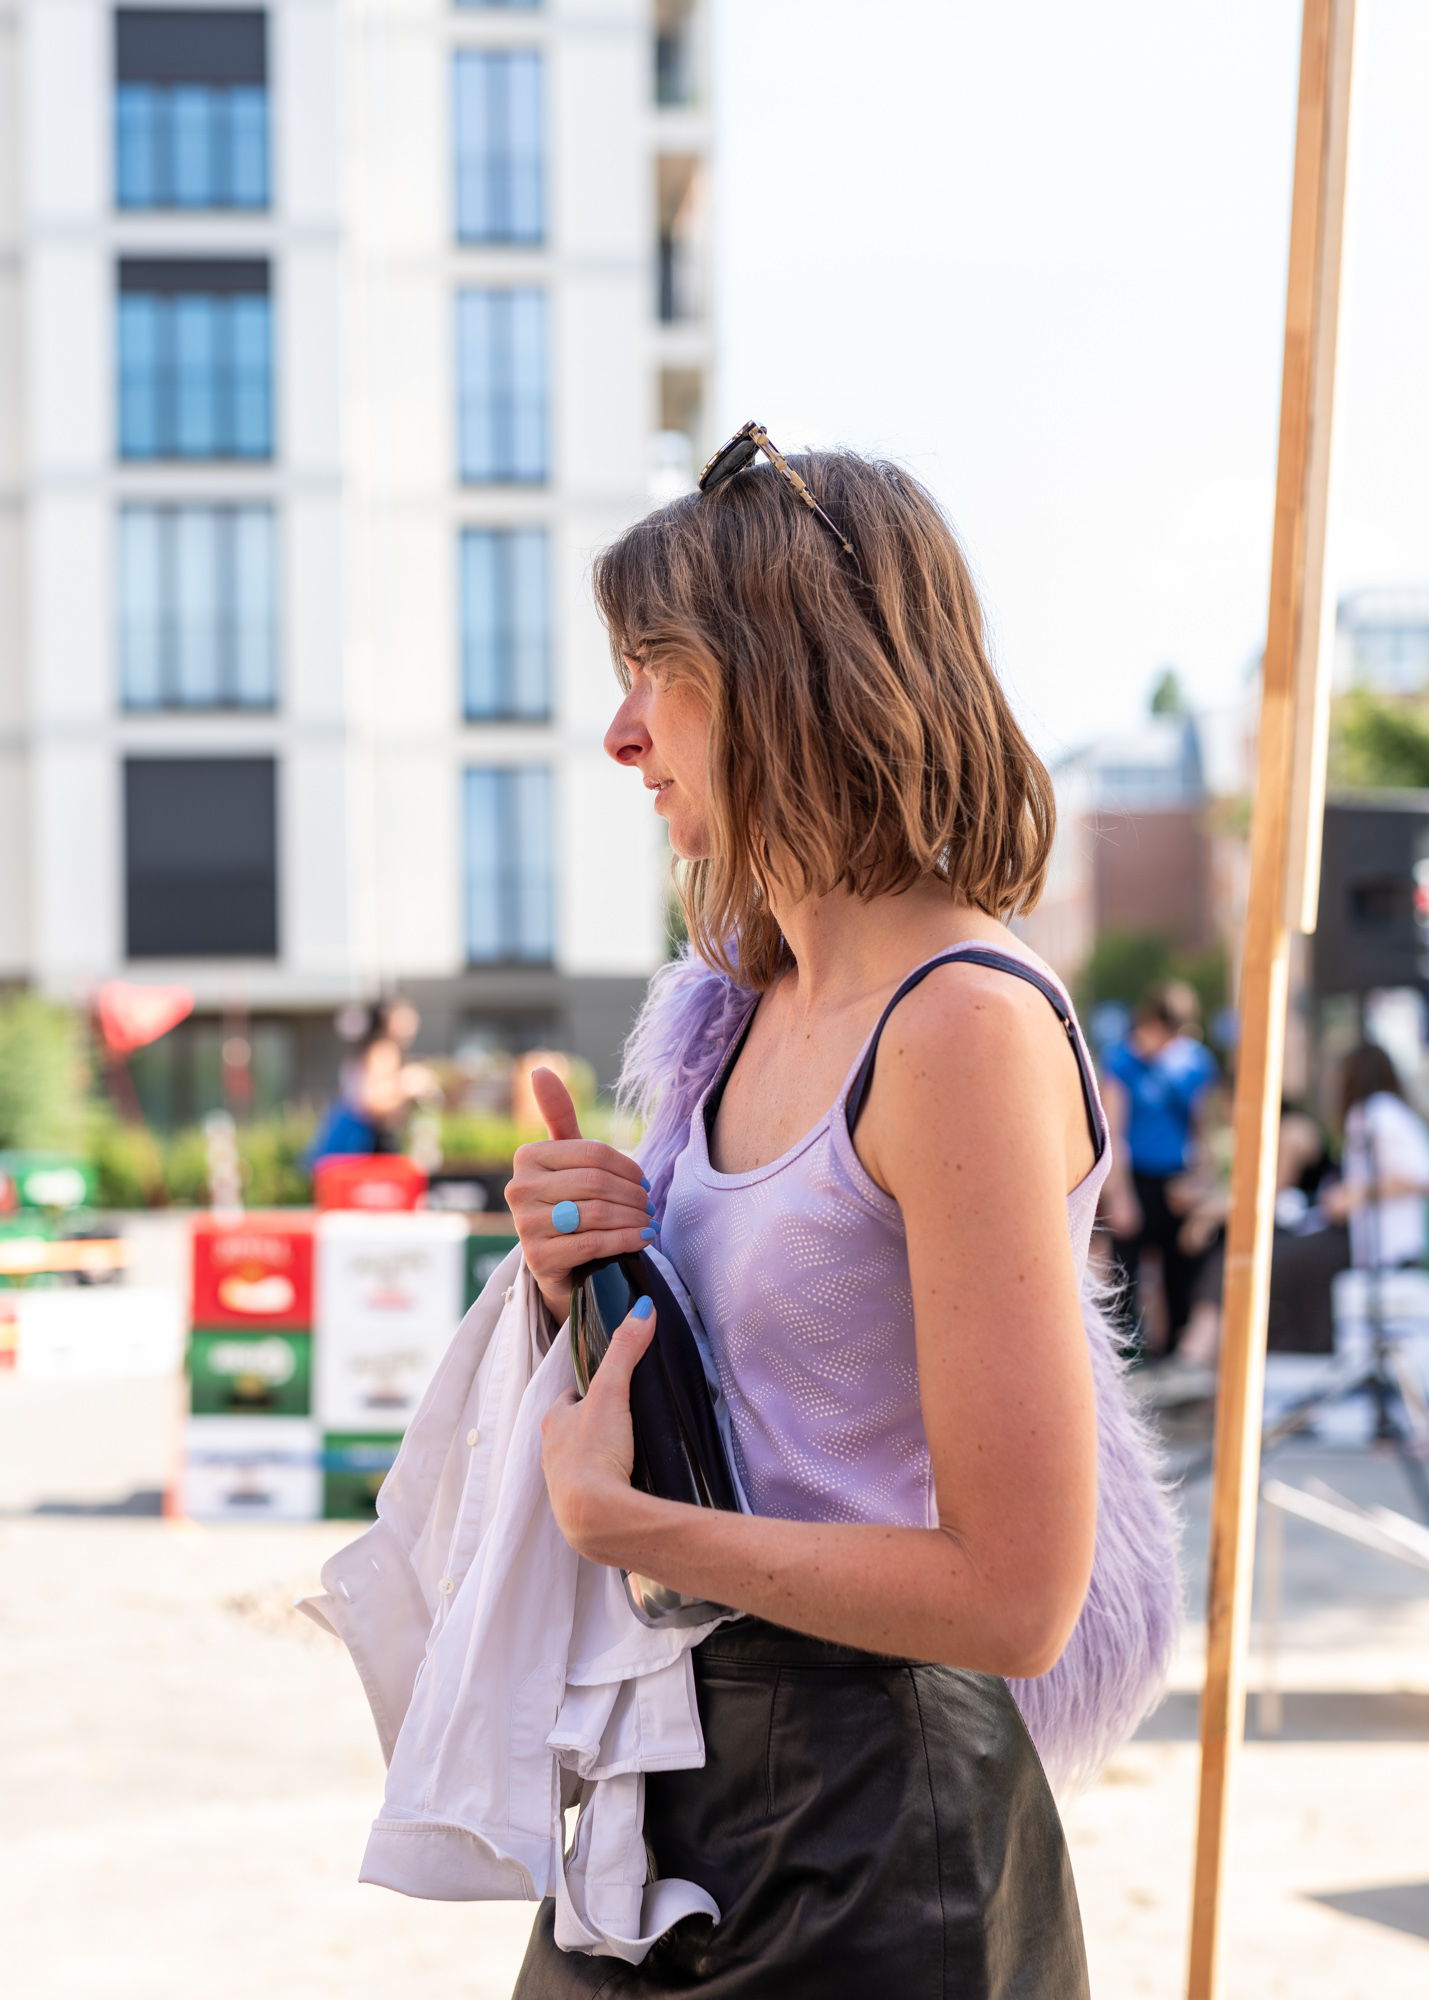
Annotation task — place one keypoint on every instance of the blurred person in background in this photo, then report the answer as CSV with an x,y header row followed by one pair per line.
x,y
377,1086
1153,1082
1308,1246
1384,1167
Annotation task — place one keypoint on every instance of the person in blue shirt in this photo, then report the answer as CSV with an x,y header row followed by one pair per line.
x,y
378,1085
1152,1083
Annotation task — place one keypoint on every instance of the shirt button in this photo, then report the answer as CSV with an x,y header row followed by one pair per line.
x,y
446,1586
473,1437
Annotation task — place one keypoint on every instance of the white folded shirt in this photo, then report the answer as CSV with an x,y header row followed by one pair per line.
x,y
503,1670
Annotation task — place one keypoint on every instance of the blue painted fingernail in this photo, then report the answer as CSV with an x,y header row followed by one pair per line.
x,y
643,1308
649,1208
645,1184
648,1235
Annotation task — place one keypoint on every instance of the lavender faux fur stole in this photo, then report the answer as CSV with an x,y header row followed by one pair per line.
x,y
1115,1663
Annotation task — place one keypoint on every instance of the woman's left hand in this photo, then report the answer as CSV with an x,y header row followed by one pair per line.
x,y
588,1444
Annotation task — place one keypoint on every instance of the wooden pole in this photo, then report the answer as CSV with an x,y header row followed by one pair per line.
x,y
1284,863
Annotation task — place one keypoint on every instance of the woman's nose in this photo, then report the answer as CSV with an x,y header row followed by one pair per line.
x,y
627,738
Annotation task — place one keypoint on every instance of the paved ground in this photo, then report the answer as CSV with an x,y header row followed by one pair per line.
x,y
190,1769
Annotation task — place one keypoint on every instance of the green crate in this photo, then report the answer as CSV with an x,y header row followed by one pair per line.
x,y
484,1251
250,1374
355,1463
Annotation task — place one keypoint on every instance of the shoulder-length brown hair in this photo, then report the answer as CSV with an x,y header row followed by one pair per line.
x,y
858,734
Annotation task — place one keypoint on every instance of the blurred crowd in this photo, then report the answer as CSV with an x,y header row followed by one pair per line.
x,y
1349,1194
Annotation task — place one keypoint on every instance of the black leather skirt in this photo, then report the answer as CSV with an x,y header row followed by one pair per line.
x,y
867,1826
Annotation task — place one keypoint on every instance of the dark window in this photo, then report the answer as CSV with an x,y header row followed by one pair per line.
x,y
496,97
505,625
200,855
501,386
197,623
195,370
509,865
190,109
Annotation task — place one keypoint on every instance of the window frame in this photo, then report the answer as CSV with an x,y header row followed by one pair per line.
x,y
514,906
519,628
504,178
234,621
494,405
195,345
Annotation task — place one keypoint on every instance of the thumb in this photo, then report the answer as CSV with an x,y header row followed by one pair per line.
x,y
627,1344
553,1101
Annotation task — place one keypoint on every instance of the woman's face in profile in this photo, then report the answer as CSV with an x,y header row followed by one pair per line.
x,y
662,730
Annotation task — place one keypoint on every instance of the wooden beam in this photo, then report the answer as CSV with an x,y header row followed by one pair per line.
x,y
1291,740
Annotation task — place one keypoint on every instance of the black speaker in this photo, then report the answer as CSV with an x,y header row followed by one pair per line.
x,y
1374,884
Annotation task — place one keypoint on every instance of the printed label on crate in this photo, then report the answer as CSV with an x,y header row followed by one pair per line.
x,y
354,1467
252,1469
258,1374
389,1296
254,1273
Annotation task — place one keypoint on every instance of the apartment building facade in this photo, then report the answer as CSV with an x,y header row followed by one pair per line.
x,y
335,337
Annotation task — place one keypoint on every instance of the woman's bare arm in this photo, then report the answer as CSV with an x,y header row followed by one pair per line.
x,y
973,1127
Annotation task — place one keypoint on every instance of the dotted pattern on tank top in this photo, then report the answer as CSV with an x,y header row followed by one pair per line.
x,y
800,1277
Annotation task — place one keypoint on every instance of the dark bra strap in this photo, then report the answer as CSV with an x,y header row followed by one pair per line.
x,y
997,961
726,1068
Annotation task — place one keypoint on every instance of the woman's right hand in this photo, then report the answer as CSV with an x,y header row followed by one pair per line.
x,y
616,1214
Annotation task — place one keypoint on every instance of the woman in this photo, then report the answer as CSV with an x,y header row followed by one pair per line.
x,y
1385,1165
887,1263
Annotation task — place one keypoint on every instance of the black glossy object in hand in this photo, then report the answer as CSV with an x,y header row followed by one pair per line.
x,y
679,1454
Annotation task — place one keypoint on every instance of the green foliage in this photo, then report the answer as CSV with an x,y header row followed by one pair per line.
x,y
1123,964
480,1138
41,1075
483,1138
1379,741
269,1151
1168,697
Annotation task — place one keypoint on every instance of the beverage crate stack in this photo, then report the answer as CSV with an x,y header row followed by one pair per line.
x,y
314,1339
251,1448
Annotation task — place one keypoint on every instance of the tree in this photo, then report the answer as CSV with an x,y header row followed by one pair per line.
x,y
1168,697
1379,741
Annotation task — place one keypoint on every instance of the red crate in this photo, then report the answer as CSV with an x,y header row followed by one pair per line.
x,y
384,1182
254,1273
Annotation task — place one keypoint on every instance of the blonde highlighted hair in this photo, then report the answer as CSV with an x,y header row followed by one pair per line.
x,y
858,735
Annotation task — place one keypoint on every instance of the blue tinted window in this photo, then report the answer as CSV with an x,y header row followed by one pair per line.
x,y
195,375
499,146
505,625
198,145
501,386
197,616
509,847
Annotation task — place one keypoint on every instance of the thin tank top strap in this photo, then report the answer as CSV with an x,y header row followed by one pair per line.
x,y
722,1074
996,961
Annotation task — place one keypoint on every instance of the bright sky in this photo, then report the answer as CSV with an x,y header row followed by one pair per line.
x,y
1037,252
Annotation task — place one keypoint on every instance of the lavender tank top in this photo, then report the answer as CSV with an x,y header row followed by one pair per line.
x,y
799,1271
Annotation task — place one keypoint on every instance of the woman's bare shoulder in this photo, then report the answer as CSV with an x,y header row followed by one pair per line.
x,y
976,1056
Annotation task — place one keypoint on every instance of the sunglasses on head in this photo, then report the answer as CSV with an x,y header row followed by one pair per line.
x,y
742,448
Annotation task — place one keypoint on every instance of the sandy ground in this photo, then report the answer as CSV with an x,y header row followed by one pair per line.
x,y
189,1768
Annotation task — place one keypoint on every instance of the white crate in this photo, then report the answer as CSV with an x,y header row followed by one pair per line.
x,y
252,1469
98,1333
388,1298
